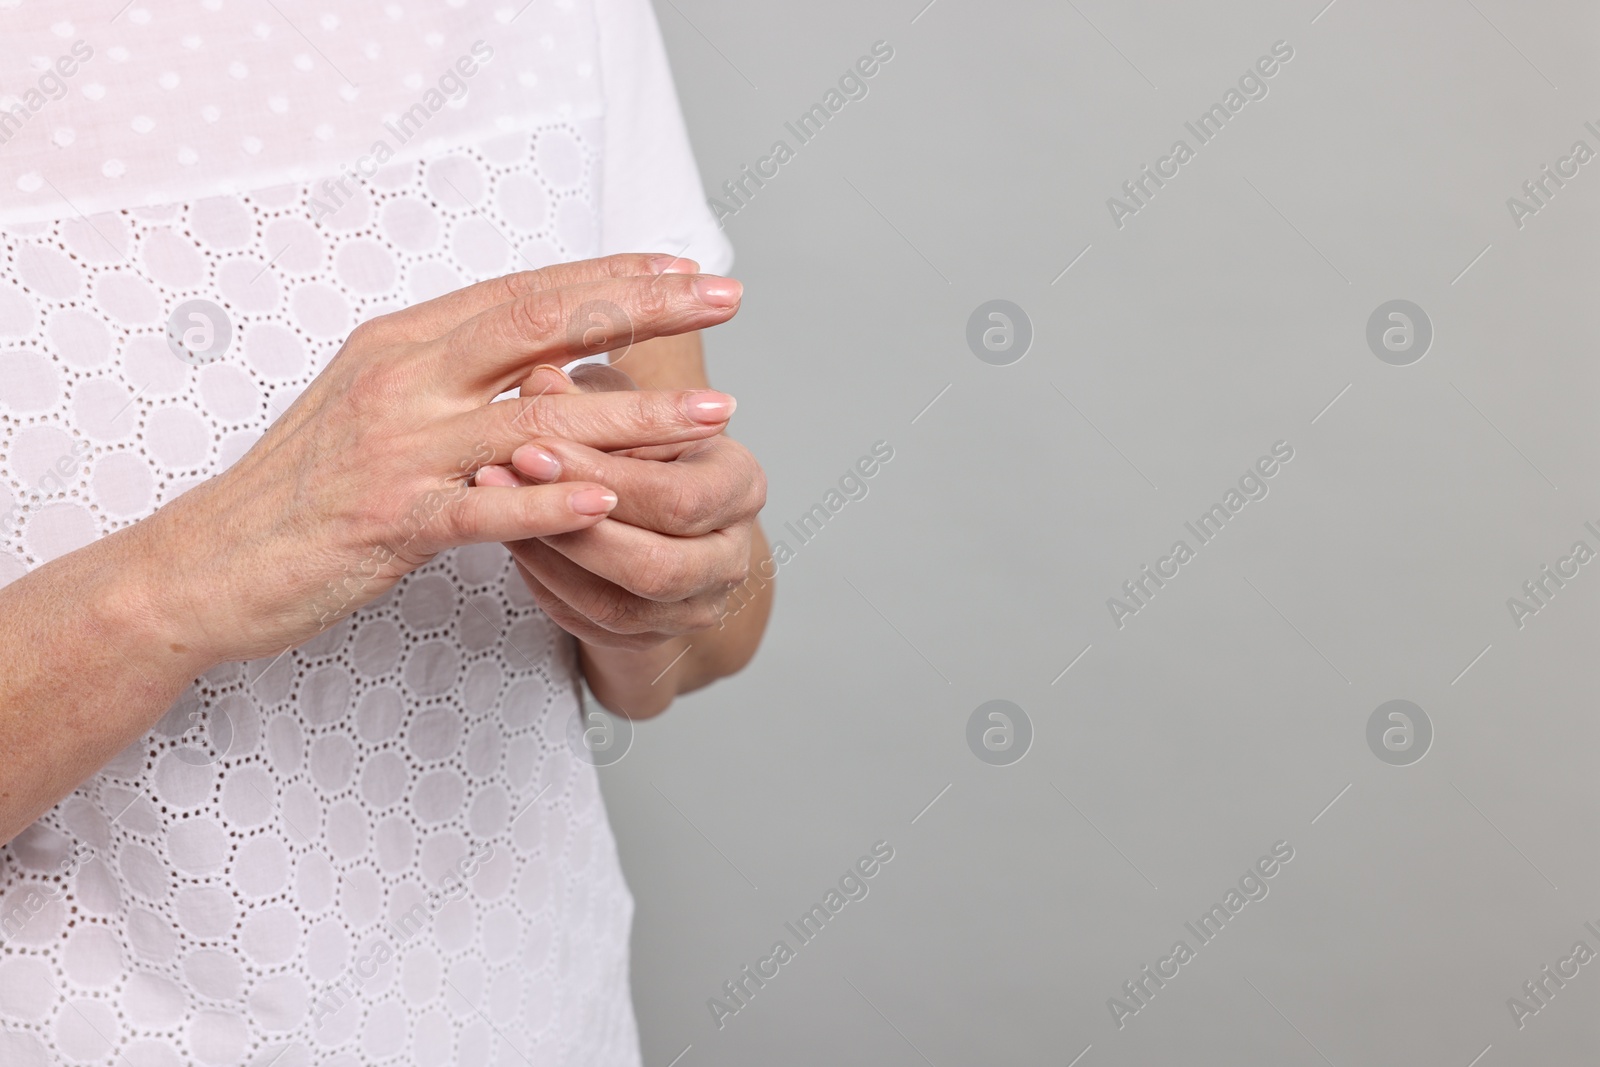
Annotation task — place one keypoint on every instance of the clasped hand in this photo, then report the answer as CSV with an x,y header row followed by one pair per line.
x,y
664,561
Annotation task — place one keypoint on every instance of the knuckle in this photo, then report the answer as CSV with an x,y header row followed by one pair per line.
x,y
644,410
520,283
538,316
756,488
625,264
663,575
369,332
613,610
652,302
692,511
526,414
737,573
706,614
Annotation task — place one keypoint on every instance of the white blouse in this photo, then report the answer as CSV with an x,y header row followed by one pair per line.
x,y
384,847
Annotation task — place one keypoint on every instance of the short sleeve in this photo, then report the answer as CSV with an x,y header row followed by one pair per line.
x,y
652,199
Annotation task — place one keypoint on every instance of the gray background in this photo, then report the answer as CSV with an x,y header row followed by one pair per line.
x,y
1229,713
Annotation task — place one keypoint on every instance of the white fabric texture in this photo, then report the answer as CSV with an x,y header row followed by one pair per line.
x,y
380,848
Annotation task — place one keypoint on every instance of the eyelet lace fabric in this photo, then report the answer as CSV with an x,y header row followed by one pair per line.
x,y
379,848
398,796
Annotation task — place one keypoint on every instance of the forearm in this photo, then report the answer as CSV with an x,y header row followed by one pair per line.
x,y
87,666
640,684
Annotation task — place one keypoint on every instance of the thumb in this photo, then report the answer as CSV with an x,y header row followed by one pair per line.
x,y
548,378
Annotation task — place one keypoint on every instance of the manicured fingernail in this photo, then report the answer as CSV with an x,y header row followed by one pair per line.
x,y
547,378
593,501
537,463
673,265
717,292
708,406
495,477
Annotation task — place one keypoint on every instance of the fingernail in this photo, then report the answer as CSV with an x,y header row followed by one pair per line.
x,y
537,463
673,265
717,292
548,378
709,406
495,476
593,501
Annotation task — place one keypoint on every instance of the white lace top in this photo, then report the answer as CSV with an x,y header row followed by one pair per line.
x,y
382,847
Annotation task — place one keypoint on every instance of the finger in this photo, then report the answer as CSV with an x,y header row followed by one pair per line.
x,y
547,378
495,350
710,484
584,378
502,513
433,318
614,608
662,453
503,477
657,567
564,616
491,433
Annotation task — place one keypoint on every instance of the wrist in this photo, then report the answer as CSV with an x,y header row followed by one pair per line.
x,y
150,594
638,683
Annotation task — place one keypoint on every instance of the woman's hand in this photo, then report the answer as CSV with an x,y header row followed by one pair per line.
x,y
368,475
677,543
365,478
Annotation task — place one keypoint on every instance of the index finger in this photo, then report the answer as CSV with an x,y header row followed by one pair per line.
x,y
493,351
444,313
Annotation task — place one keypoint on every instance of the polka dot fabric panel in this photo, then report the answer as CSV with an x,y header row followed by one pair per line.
x,y
105,107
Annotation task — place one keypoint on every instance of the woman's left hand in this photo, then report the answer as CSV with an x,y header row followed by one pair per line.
x,y
663,563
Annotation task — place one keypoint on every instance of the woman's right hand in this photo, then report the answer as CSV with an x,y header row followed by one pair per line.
x,y
369,474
